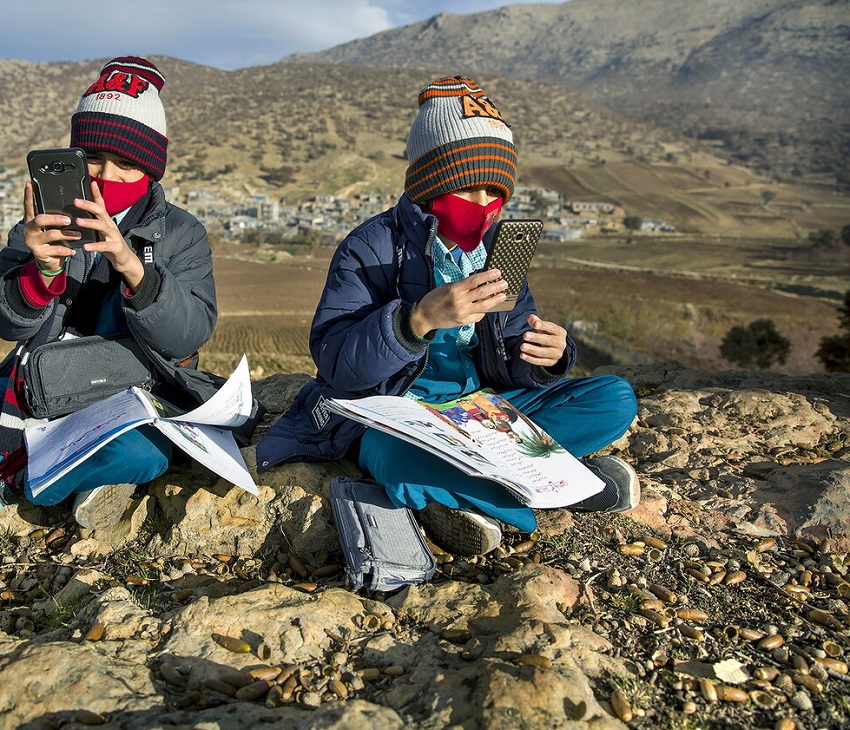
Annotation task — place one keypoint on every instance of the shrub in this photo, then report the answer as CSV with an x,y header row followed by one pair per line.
x,y
757,345
824,238
632,222
834,352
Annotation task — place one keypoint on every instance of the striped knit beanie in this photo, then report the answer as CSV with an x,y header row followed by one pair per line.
x,y
122,113
458,140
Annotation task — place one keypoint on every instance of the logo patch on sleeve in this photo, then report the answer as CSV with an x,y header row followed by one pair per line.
x,y
320,413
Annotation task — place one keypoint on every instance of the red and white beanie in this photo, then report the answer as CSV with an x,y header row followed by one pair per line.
x,y
458,140
122,113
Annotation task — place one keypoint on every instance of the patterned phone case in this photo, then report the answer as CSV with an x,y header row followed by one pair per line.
x,y
513,246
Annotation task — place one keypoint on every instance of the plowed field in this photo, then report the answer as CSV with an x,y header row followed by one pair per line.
x,y
266,310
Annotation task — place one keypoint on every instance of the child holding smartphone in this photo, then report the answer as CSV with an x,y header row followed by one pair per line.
x,y
406,309
147,271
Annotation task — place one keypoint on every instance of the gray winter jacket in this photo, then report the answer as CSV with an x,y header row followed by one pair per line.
x,y
171,316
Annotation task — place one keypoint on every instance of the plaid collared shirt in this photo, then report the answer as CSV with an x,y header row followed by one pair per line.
x,y
450,371
446,270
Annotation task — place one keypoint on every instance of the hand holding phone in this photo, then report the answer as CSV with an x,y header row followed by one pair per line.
x,y
514,243
58,177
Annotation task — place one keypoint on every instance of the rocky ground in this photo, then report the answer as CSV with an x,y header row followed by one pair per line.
x,y
721,601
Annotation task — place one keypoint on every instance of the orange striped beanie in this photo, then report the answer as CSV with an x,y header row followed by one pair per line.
x,y
458,140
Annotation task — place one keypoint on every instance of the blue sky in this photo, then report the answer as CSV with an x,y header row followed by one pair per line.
x,y
226,34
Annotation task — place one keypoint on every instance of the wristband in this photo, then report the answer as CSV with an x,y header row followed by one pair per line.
x,y
49,273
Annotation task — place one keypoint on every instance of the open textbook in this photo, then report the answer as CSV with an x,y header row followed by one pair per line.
x,y
56,447
483,435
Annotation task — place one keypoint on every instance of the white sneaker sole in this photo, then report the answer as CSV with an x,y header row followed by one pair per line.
x,y
461,532
103,506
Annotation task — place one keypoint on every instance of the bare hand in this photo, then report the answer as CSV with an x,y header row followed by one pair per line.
x,y
44,235
111,243
545,344
459,303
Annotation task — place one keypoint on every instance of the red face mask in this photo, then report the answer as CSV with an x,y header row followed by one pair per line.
x,y
118,196
462,221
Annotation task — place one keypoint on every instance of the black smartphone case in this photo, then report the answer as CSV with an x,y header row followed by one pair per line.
x,y
514,243
58,176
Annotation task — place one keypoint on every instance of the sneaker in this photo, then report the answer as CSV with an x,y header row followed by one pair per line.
x,y
102,506
7,495
621,491
459,531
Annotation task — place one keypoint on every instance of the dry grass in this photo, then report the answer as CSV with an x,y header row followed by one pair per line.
x,y
631,291
666,318
266,309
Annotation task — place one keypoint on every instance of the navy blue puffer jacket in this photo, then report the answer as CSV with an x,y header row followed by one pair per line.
x,y
361,343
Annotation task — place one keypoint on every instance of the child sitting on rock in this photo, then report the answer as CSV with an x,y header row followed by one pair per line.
x,y
406,309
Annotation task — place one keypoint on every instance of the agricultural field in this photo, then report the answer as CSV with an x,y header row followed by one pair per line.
x,y
703,195
650,299
742,253
648,317
639,301
265,310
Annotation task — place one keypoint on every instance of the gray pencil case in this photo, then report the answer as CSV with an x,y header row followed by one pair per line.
x,y
383,546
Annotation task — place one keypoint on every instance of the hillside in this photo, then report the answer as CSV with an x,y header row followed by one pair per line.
x,y
308,128
294,131
763,79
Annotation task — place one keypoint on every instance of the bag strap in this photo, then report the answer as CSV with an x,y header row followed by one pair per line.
x,y
13,420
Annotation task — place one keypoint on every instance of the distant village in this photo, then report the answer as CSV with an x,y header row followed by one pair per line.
x,y
326,219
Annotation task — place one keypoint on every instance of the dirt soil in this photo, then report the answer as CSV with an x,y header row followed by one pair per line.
x,y
266,310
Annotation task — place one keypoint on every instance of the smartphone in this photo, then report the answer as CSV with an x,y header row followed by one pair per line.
x,y
514,242
58,176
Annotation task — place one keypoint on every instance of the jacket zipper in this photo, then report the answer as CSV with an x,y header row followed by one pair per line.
x,y
429,258
88,267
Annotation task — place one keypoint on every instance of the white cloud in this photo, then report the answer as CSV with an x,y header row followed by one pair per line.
x,y
223,33
254,32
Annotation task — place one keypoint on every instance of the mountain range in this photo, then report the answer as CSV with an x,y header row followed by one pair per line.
x,y
585,83
766,79
306,128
